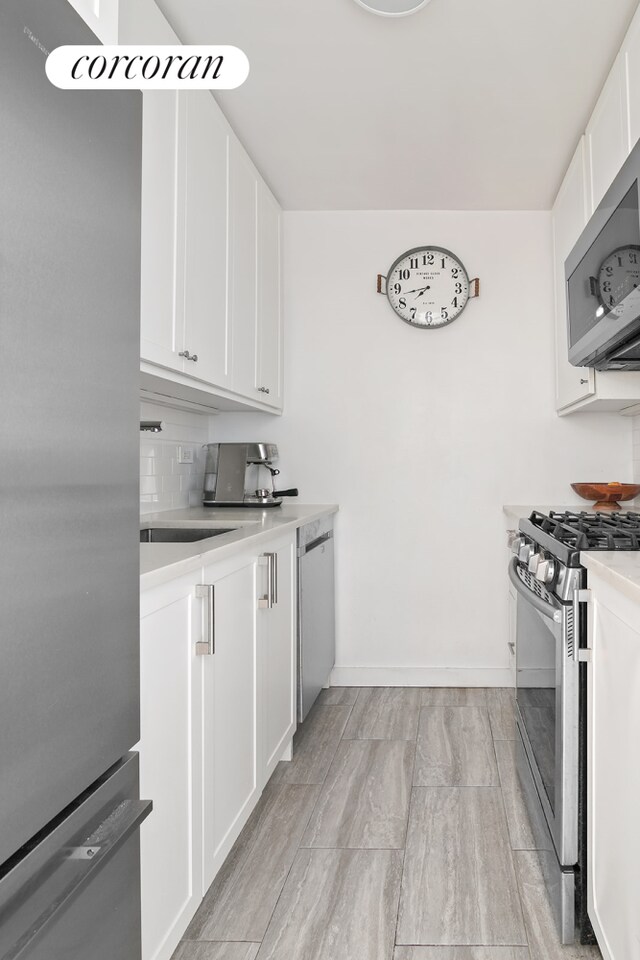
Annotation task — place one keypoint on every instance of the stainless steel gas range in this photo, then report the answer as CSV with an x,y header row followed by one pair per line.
x,y
551,692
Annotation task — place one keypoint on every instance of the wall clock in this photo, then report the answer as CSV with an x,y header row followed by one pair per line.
x,y
428,287
618,276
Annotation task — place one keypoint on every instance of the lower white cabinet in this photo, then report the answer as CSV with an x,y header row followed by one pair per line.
x,y
218,711
613,845
170,725
277,650
230,723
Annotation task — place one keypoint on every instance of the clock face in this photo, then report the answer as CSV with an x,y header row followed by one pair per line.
x,y
428,287
618,277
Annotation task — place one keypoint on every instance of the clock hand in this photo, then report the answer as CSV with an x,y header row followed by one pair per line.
x,y
419,290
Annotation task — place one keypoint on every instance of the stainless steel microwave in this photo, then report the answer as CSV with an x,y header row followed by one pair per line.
x,y
602,275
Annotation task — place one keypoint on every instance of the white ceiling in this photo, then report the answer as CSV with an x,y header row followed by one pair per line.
x,y
468,104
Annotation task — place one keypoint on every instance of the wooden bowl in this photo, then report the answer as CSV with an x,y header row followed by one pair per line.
x,y
606,495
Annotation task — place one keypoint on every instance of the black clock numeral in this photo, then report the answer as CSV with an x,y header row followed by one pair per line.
x,y
428,317
442,262
609,271
454,272
430,259
404,274
612,300
402,303
633,258
458,288
444,313
412,313
606,286
413,263
424,260
397,288
619,259
454,302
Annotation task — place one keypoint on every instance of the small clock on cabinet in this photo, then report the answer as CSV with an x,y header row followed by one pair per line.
x,y
428,287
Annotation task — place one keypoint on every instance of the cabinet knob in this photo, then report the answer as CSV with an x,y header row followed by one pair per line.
x,y
263,390
583,380
188,356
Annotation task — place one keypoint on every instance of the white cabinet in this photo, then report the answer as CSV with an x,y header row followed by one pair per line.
x,y
218,711
277,646
607,133
569,217
631,52
231,784
170,711
269,347
613,850
101,16
203,204
243,251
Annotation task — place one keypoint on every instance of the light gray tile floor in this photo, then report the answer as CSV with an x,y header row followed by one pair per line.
x,y
344,860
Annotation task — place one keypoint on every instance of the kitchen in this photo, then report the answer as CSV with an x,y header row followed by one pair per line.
x,y
418,437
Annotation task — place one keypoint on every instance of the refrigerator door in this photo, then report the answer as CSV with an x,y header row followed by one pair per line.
x,y
69,325
76,892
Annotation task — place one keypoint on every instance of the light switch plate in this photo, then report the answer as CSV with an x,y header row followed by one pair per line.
x,y
185,454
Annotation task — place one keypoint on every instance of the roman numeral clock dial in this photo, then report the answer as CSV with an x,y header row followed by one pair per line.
x,y
428,287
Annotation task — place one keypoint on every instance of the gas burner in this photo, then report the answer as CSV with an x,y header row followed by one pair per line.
x,y
590,531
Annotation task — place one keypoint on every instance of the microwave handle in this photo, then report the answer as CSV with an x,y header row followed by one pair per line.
x,y
546,609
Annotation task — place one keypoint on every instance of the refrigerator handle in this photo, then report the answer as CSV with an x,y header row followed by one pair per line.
x,y
78,865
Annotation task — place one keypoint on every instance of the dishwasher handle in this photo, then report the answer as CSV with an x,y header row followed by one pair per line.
x,y
308,547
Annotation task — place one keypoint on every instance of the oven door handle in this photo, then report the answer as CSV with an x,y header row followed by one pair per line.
x,y
546,609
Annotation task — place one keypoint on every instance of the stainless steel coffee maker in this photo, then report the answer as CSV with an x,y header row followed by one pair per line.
x,y
235,475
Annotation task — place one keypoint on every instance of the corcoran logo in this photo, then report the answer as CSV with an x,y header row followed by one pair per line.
x,y
147,67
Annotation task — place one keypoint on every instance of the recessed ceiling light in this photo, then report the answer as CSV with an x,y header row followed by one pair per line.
x,y
392,8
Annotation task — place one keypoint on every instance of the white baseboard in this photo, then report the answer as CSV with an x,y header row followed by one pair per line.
x,y
421,677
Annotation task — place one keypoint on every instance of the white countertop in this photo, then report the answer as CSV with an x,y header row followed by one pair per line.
x,y
620,568
161,562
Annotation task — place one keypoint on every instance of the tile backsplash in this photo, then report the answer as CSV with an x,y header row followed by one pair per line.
x,y
165,483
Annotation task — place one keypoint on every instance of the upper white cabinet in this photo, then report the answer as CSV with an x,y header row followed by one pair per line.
x,y
611,132
569,217
203,260
269,321
613,778
631,53
101,16
608,133
243,253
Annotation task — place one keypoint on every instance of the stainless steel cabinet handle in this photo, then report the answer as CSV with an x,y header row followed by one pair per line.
x,y
188,356
583,381
580,654
263,390
204,648
271,562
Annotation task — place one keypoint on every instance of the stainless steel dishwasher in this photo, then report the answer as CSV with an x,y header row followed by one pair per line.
x,y
316,611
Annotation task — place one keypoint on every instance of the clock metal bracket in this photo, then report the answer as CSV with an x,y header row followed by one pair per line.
x,y
379,289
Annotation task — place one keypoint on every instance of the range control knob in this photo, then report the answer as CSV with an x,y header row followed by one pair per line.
x,y
533,563
546,570
525,551
516,543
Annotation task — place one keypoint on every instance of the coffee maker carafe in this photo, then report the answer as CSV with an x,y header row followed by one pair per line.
x,y
241,475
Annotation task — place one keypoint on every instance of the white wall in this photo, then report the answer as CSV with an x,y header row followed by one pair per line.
x,y
421,436
166,484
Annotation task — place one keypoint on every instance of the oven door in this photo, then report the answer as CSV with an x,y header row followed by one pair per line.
x,y
547,705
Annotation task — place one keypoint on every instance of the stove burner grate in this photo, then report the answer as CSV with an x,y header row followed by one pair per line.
x,y
591,531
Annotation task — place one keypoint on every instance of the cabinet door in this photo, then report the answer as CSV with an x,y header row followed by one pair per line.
x,y
613,850
631,50
170,838
277,645
608,134
204,185
230,727
243,185
161,315
569,217
269,379
101,16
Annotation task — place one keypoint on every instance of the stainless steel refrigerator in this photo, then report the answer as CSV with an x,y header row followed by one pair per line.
x,y
70,166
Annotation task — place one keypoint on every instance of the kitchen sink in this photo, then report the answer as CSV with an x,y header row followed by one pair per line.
x,y
181,534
